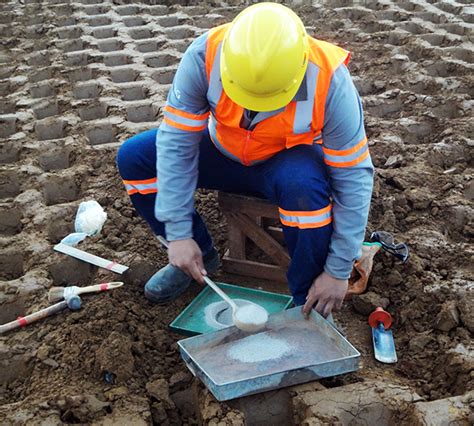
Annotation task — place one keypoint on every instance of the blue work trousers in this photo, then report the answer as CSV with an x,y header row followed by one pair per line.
x,y
294,179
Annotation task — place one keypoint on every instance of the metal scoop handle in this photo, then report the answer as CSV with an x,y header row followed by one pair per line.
x,y
224,296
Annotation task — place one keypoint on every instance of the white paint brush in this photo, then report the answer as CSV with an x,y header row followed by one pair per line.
x,y
59,293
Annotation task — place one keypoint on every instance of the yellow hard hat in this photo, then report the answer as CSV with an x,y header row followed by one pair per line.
x,y
264,57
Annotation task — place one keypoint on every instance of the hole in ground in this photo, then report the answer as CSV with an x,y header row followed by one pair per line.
x,y
10,219
69,33
117,59
134,21
68,21
180,45
161,60
77,59
54,157
46,109
15,366
101,133
98,21
151,45
412,27
39,59
92,112
60,223
62,9
465,55
7,107
95,10
34,32
450,109
440,69
9,152
133,92
40,75
6,72
140,33
167,21
206,22
9,184
388,108
50,128
43,90
397,38
6,18
88,90
81,74
71,45
5,88
104,32
456,28
127,10
11,264
123,75
434,39
11,307
417,132
60,189
7,125
162,10
179,33
110,45
69,271
141,113
164,77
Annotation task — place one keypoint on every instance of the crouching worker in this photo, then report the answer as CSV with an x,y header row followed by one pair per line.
x,y
258,107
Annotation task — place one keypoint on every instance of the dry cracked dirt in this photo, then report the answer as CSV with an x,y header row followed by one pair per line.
x,y
79,77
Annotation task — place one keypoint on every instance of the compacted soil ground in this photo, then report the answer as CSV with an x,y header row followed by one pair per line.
x,y
79,77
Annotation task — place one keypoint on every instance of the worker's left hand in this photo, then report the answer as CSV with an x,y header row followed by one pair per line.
x,y
328,292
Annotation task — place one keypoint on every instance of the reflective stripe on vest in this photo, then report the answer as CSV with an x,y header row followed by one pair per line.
x,y
214,91
304,109
299,123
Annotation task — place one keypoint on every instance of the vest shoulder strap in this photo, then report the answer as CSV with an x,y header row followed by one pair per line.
x,y
214,38
328,56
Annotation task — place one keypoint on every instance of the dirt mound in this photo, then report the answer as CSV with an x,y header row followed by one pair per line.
x,y
78,78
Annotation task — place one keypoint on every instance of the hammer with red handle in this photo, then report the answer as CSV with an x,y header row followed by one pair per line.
x,y
73,303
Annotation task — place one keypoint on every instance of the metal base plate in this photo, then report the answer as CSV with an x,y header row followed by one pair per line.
x,y
291,350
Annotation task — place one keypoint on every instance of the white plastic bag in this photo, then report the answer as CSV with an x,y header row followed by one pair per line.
x,y
90,219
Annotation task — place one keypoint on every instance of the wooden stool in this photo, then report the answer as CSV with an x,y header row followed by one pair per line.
x,y
253,218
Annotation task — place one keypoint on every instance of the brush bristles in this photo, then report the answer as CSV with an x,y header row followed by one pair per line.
x,y
55,294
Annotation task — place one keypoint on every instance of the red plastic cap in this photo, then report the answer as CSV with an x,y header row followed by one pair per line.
x,y
380,315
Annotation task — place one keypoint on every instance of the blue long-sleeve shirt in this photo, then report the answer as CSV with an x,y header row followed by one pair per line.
x,y
343,136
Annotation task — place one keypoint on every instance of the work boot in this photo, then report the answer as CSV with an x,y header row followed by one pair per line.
x,y
170,282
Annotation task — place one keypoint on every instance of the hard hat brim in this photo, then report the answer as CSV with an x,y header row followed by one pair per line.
x,y
260,103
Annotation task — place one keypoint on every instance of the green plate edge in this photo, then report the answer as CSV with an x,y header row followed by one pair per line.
x,y
177,328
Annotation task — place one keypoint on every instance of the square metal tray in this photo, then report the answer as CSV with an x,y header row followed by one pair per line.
x,y
191,321
318,350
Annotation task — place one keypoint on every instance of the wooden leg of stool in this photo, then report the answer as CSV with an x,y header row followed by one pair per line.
x,y
236,241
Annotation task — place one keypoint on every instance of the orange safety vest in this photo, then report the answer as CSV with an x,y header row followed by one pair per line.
x,y
300,123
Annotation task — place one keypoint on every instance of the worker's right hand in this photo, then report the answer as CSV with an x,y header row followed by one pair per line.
x,y
187,256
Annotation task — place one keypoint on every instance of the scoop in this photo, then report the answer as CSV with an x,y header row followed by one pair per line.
x,y
249,317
